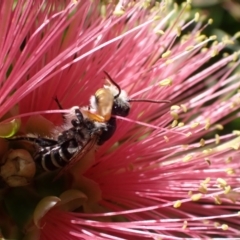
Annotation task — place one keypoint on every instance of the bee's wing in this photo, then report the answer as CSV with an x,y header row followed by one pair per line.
x,y
79,157
43,142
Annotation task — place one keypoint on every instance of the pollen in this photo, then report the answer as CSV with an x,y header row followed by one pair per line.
x,y
219,127
213,37
196,197
189,48
222,182
187,158
201,38
188,7
217,139
166,82
177,204
185,223
214,53
184,38
157,18
159,32
228,160
210,21
146,4
103,10
174,123
181,124
204,50
225,54
194,124
174,115
202,142
207,124
230,171
224,227
118,12
237,35
235,57
235,146
196,17
175,6
227,41
179,31
184,107
236,132
166,54
207,180
169,61
227,189
217,200
175,107
207,151
203,188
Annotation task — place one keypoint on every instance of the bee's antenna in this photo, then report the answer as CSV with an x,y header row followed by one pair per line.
x,y
114,83
149,100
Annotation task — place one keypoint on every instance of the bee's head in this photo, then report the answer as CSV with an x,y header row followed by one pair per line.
x,y
121,103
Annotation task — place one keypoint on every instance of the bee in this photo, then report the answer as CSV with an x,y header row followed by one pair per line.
x,y
86,128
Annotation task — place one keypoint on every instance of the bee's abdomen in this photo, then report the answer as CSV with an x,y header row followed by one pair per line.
x,y
58,156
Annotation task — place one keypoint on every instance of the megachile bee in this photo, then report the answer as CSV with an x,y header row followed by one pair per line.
x,y
89,128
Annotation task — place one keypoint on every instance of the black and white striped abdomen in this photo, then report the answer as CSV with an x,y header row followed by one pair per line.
x,y
55,157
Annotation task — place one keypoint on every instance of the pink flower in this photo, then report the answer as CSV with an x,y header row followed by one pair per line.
x,y
156,178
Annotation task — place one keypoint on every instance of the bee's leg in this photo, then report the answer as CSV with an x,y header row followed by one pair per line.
x,y
79,115
79,121
108,132
58,103
59,106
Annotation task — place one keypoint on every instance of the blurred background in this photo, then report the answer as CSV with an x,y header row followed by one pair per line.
x,y
226,21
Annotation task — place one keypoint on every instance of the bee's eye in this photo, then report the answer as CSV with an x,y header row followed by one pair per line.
x,y
120,110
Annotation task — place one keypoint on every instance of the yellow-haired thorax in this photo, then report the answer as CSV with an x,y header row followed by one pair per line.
x,y
104,103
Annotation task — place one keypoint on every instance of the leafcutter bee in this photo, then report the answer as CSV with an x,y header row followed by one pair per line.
x,y
87,128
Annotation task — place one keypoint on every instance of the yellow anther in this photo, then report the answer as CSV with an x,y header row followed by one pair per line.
x,y
166,82
196,197
187,158
222,182
174,123
184,108
224,227
177,204
219,126
175,107
202,142
217,200
196,17
166,54
217,139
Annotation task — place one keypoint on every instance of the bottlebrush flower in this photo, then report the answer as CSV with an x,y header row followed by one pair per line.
x,y
163,174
